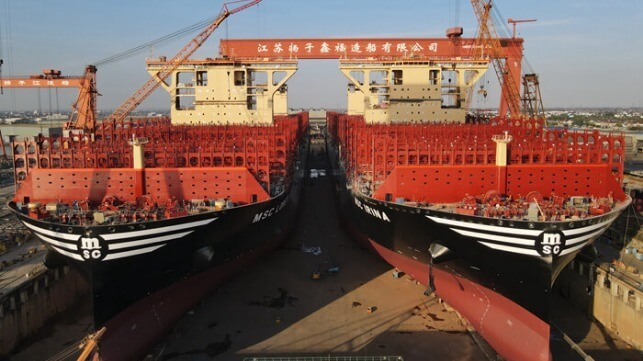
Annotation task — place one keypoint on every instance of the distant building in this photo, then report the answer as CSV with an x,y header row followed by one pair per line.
x,y
633,146
11,120
12,131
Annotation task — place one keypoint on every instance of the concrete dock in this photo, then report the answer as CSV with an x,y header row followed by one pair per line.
x,y
21,255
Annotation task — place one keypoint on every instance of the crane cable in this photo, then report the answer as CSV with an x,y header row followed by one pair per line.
x,y
504,32
68,352
164,39
173,36
8,36
1,58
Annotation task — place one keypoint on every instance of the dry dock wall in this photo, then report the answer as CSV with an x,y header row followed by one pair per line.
x,y
25,309
617,305
612,300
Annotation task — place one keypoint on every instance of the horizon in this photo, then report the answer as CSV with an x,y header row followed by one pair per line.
x,y
143,109
157,110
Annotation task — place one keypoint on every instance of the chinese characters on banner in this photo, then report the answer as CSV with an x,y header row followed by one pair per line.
x,y
330,48
9,83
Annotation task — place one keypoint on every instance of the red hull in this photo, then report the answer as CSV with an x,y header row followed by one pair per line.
x,y
512,331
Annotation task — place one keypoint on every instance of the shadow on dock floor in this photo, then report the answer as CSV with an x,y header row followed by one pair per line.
x,y
319,294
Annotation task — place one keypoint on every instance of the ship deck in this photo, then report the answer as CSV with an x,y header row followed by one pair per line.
x,y
534,207
276,308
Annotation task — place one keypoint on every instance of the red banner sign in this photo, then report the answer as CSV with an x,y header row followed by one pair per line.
x,y
351,48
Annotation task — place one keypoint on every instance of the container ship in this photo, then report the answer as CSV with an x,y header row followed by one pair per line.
x,y
484,211
156,212
489,239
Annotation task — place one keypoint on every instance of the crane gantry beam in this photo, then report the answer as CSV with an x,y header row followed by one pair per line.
x,y
83,115
360,48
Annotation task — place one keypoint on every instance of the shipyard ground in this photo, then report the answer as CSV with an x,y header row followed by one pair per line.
x,y
318,295
279,307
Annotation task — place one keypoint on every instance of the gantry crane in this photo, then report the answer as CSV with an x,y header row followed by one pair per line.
x,y
532,102
488,40
83,115
171,65
508,72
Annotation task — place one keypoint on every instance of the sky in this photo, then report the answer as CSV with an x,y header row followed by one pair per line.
x,y
588,53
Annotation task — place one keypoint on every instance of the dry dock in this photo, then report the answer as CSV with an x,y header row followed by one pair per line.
x,y
278,307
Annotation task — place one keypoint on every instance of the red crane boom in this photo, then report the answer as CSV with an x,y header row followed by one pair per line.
x,y
488,40
144,91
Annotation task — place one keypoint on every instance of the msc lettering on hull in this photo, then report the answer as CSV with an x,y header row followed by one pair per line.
x,y
269,212
550,244
371,211
91,248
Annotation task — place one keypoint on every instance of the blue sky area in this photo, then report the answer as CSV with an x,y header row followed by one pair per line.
x,y
588,53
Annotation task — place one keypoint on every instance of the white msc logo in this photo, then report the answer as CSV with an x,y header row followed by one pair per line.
x,y
550,244
91,248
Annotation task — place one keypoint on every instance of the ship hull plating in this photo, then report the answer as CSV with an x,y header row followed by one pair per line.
x,y
134,331
501,254
490,270
149,274
127,262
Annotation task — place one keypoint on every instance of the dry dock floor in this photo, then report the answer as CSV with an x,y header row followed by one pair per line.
x,y
356,307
